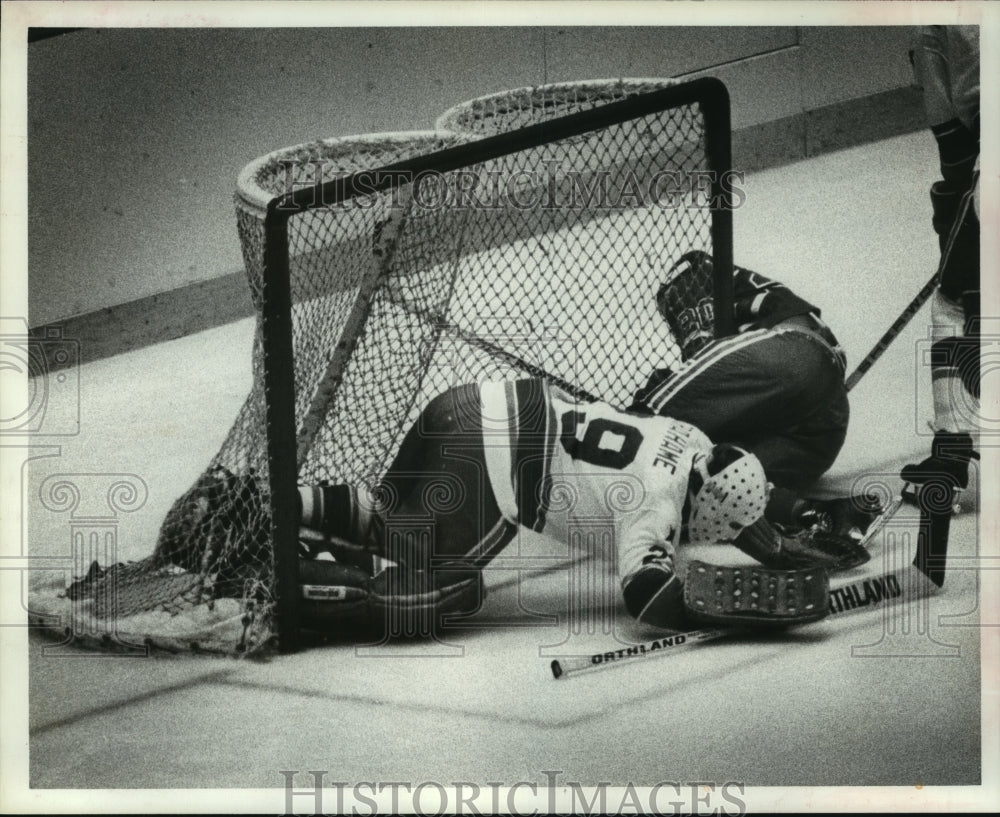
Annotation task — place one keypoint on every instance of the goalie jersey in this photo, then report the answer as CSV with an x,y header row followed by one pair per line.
x,y
553,460
762,303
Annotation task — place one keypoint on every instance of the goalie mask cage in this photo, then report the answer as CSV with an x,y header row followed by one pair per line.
x,y
525,237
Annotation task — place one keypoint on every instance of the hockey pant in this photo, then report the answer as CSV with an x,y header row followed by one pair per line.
x,y
779,393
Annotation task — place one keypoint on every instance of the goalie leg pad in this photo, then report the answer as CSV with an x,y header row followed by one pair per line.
x,y
754,596
413,600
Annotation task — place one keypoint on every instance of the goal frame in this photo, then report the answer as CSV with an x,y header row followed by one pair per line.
x,y
709,93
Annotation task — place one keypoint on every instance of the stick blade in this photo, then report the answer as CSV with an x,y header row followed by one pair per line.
x,y
932,534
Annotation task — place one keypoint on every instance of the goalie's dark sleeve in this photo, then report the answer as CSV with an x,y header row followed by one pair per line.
x,y
760,302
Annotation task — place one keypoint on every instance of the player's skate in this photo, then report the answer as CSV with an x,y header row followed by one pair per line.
x,y
948,464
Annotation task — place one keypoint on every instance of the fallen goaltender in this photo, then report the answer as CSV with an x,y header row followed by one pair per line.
x,y
544,445
792,587
745,596
525,447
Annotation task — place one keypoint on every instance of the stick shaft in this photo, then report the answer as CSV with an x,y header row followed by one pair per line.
x,y
562,667
864,595
892,332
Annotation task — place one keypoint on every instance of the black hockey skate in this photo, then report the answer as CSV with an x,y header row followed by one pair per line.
x,y
948,465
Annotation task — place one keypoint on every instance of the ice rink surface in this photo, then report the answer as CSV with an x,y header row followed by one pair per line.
x,y
857,700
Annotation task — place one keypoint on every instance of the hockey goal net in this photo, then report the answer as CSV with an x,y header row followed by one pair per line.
x,y
527,236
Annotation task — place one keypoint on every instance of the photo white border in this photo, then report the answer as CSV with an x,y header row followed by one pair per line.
x,y
15,796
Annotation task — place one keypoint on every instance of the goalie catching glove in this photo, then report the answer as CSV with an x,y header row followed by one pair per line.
x,y
829,533
808,548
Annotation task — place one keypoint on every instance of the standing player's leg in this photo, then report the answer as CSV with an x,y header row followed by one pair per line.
x,y
946,66
955,314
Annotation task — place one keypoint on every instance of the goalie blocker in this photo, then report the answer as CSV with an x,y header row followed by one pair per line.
x,y
755,596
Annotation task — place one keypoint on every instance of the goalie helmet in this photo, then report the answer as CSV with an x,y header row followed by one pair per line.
x,y
728,491
685,302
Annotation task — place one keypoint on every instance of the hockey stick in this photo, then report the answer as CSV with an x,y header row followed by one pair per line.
x,y
893,331
913,307
565,667
862,595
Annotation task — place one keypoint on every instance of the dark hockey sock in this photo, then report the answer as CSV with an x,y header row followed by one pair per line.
x,y
959,247
958,148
